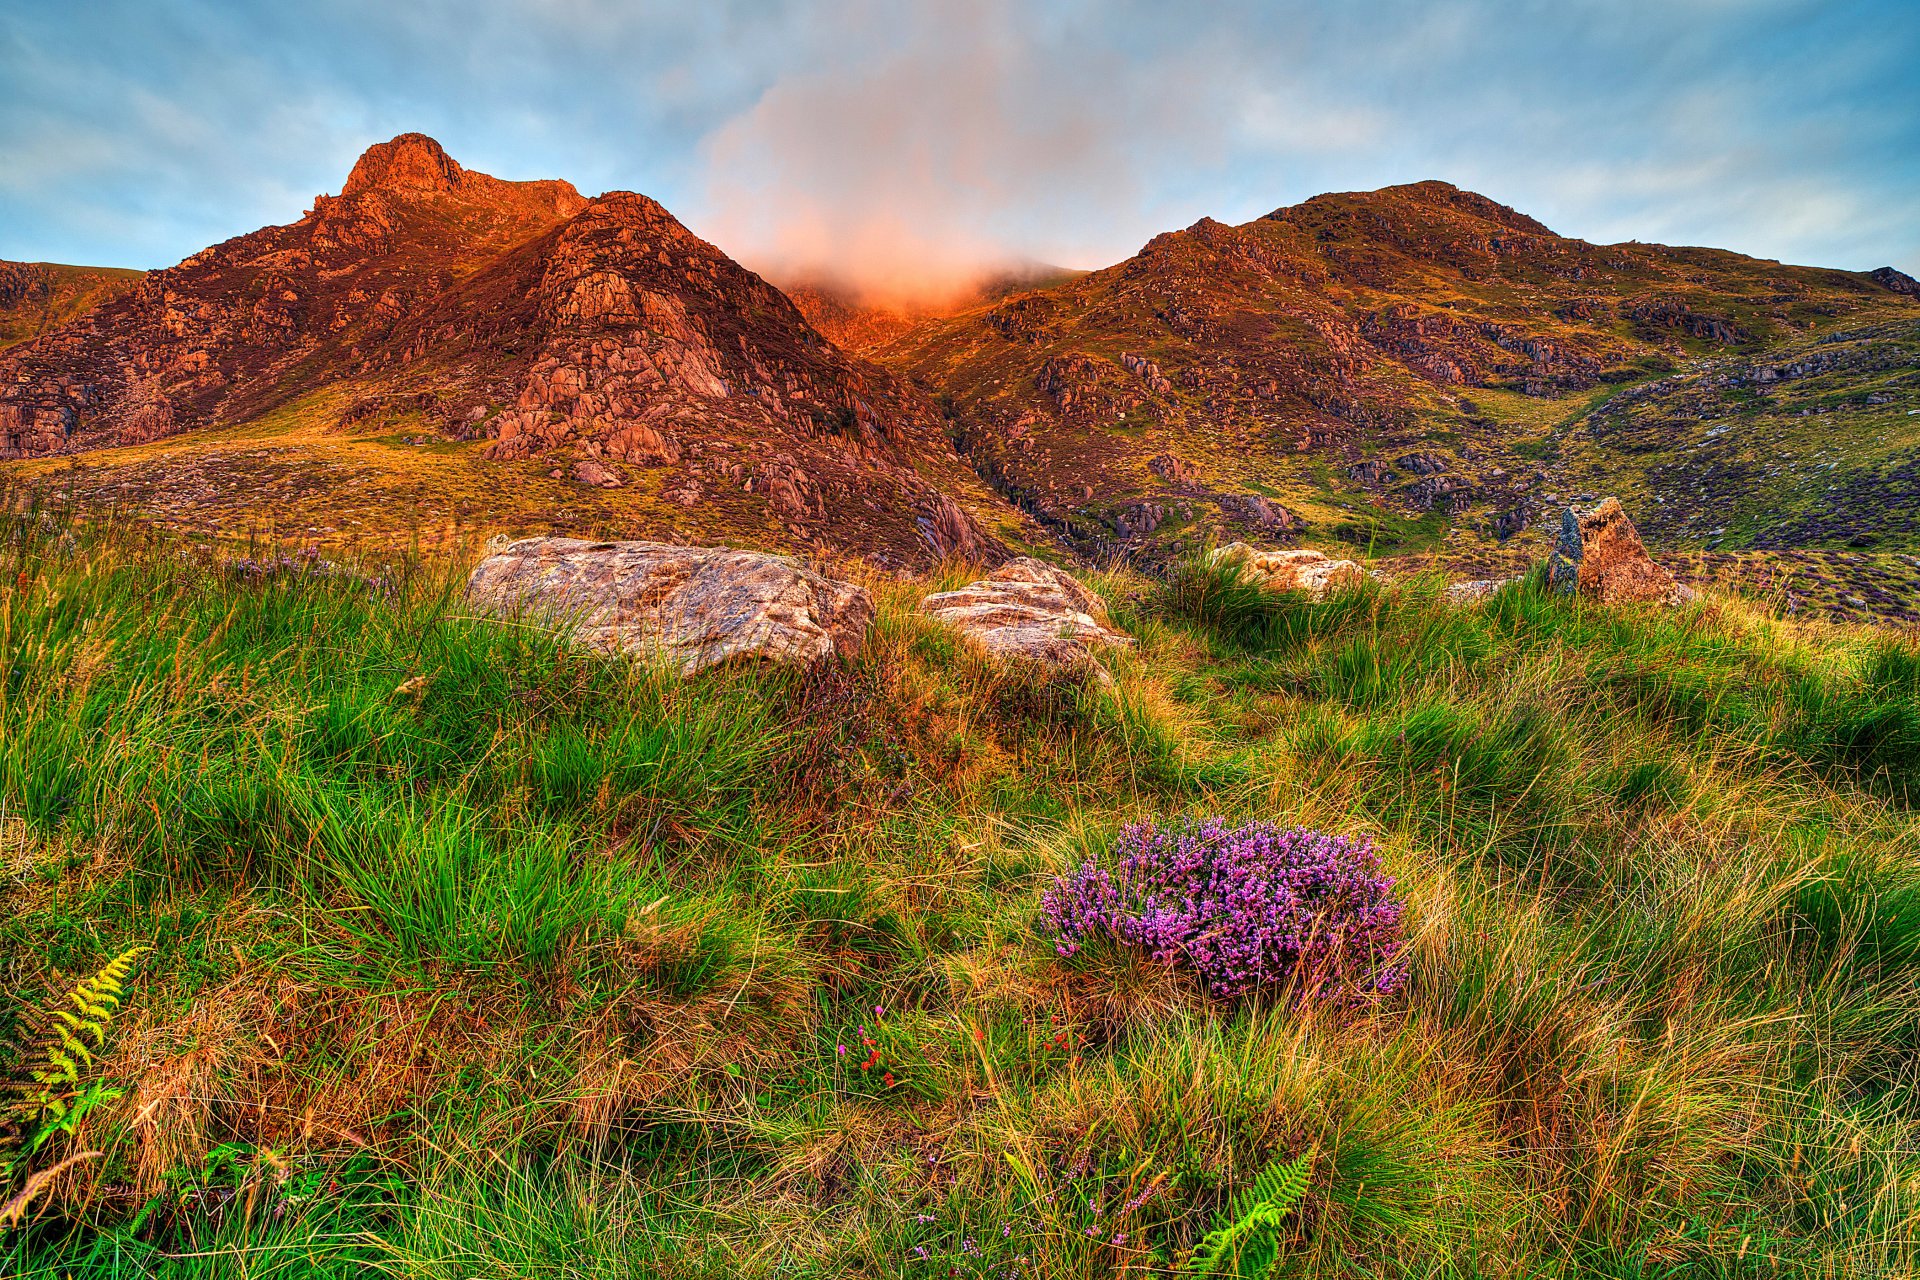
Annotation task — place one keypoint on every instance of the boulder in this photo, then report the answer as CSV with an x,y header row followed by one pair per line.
x,y
1475,591
587,471
692,607
1600,556
1296,569
1256,510
1029,610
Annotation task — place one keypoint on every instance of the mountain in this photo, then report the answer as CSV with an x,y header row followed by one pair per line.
x,y
38,296
1383,367
445,342
857,321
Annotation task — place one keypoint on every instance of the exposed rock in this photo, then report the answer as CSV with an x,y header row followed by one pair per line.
x,y
692,606
1898,281
1298,569
1138,519
1453,493
1599,555
1029,610
1423,464
1173,469
1475,591
1373,473
1257,510
587,471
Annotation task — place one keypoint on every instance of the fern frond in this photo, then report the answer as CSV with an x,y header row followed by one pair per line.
x,y
65,1052
1244,1242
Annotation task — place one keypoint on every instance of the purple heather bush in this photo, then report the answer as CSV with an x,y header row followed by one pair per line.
x,y
1244,907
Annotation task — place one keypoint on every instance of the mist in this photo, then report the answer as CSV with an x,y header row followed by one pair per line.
x,y
912,158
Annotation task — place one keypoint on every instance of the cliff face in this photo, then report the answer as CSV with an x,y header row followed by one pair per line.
x,y
532,321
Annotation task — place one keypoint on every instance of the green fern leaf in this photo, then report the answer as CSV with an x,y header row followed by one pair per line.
x,y
1245,1241
65,1052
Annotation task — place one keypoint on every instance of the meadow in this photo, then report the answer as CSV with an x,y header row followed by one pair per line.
x,y
470,955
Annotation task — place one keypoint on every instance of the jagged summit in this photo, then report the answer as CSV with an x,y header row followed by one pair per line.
x,y
410,162
413,166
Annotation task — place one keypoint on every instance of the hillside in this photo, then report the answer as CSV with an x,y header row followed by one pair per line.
x,y
475,956
520,326
862,324
38,296
1385,367
1813,442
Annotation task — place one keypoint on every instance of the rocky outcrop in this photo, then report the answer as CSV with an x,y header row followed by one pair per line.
x,y
1898,281
598,474
1029,611
1599,555
1476,591
691,607
1259,511
1296,569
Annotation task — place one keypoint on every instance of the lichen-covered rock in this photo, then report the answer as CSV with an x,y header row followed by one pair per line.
x,y
692,607
1475,591
1029,610
1294,569
1599,555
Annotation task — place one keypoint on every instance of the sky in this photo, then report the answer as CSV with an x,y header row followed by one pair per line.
x,y
905,145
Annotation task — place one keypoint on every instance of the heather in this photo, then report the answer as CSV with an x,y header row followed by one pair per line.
x,y
471,955
1247,908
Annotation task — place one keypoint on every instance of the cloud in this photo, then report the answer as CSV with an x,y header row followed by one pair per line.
x,y
907,145
916,147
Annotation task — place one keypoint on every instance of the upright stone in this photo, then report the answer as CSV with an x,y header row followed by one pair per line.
x,y
1599,555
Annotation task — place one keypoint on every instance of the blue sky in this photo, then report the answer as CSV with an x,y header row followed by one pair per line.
x,y
889,140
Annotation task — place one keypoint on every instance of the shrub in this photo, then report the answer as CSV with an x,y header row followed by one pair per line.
x,y
1244,907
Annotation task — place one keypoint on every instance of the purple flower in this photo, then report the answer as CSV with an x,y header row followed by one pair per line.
x,y
1242,906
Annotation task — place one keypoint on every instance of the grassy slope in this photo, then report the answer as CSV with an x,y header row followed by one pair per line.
x,y
295,473
1822,451
477,957
71,292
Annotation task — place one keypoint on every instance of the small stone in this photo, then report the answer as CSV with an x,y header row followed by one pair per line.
x,y
1475,591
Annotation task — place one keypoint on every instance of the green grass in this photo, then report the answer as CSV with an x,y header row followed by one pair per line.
x,y
476,956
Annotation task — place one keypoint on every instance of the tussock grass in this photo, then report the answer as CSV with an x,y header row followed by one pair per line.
x,y
477,956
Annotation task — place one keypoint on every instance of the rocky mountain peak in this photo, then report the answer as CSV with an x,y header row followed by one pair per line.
x,y
410,162
1434,192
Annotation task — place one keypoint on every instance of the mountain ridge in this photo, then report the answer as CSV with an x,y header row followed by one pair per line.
x,y
1396,369
1376,366
534,324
